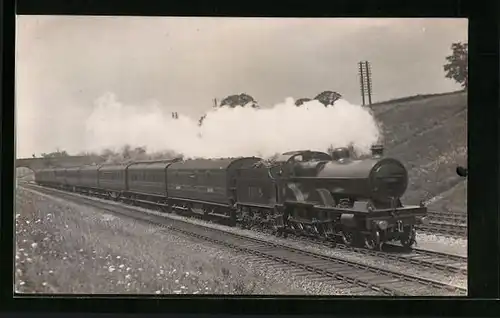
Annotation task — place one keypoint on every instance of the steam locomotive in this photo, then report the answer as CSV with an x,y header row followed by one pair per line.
x,y
301,192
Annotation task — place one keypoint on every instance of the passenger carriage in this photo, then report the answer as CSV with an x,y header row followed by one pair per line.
x,y
147,181
72,177
89,177
112,178
206,186
45,176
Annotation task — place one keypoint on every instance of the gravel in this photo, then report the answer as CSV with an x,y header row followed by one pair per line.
x,y
439,243
63,247
445,245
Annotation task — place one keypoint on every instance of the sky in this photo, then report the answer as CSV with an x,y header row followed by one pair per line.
x,y
65,63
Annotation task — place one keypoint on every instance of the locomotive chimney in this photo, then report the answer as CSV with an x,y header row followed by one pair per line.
x,y
377,150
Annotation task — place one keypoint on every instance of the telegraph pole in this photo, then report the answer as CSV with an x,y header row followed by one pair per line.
x,y
365,77
361,80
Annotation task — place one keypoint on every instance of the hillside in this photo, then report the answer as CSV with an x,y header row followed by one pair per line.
x,y
429,135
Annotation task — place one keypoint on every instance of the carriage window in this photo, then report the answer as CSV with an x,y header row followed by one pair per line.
x,y
298,158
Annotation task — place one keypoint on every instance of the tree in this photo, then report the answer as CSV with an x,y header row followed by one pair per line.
x,y
202,118
239,100
55,154
328,97
107,153
457,67
301,101
233,101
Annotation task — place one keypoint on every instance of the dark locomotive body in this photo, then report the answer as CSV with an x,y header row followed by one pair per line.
x,y
302,192
309,193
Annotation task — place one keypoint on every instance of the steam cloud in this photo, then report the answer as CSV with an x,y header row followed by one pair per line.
x,y
232,132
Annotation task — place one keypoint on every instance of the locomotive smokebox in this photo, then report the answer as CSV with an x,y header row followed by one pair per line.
x,y
377,150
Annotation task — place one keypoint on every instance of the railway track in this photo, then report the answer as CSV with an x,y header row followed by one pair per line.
x,y
449,263
458,230
447,217
347,274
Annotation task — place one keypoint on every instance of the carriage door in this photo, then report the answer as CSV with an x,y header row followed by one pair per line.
x,y
233,185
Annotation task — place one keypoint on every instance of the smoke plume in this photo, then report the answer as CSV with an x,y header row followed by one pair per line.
x,y
231,132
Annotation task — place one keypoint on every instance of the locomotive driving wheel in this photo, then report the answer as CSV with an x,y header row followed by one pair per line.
x,y
408,237
349,238
373,241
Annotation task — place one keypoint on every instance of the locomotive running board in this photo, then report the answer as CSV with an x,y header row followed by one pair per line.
x,y
401,211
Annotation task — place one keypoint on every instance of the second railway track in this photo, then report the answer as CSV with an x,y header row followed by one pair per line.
x,y
449,263
451,229
366,277
447,217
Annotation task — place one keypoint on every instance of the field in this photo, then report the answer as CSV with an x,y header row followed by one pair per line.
x,y
429,135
